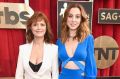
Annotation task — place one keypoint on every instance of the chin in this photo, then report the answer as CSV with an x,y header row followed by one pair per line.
x,y
39,36
73,28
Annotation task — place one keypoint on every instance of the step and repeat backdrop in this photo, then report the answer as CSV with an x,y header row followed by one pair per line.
x,y
104,20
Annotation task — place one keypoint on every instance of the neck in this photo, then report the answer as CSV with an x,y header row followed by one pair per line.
x,y
38,41
72,33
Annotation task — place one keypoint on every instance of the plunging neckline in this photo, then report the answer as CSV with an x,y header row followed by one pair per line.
x,y
42,59
74,51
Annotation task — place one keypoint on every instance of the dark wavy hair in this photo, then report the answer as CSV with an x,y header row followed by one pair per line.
x,y
82,30
48,37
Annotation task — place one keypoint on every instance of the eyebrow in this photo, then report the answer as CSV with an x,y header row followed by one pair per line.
x,y
78,14
75,14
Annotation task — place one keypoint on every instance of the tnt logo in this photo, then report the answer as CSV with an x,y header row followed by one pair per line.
x,y
106,51
14,15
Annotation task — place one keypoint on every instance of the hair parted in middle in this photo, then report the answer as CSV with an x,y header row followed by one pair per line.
x,y
83,29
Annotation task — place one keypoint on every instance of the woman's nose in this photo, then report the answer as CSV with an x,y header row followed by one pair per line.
x,y
39,26
73,19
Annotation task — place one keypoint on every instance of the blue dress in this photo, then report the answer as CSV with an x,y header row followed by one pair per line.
x,y
84,53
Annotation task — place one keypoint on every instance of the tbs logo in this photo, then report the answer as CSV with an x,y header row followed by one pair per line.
x,y
14,15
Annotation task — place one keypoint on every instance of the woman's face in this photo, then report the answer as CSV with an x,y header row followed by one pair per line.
x,y
74,18
39,28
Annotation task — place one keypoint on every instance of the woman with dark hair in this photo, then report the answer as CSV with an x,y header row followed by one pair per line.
x,y
76,45
38,59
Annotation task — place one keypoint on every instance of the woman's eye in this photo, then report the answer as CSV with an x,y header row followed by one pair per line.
x,y
70,16
35,24
78,17
42,24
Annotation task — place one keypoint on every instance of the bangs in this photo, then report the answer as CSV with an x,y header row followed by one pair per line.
x,y
37,19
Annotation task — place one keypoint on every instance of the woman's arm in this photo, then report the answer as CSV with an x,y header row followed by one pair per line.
x,y
19,70
90,67
55,71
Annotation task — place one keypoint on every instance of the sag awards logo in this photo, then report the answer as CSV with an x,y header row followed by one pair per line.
x,y
14,15
109,16
106,51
